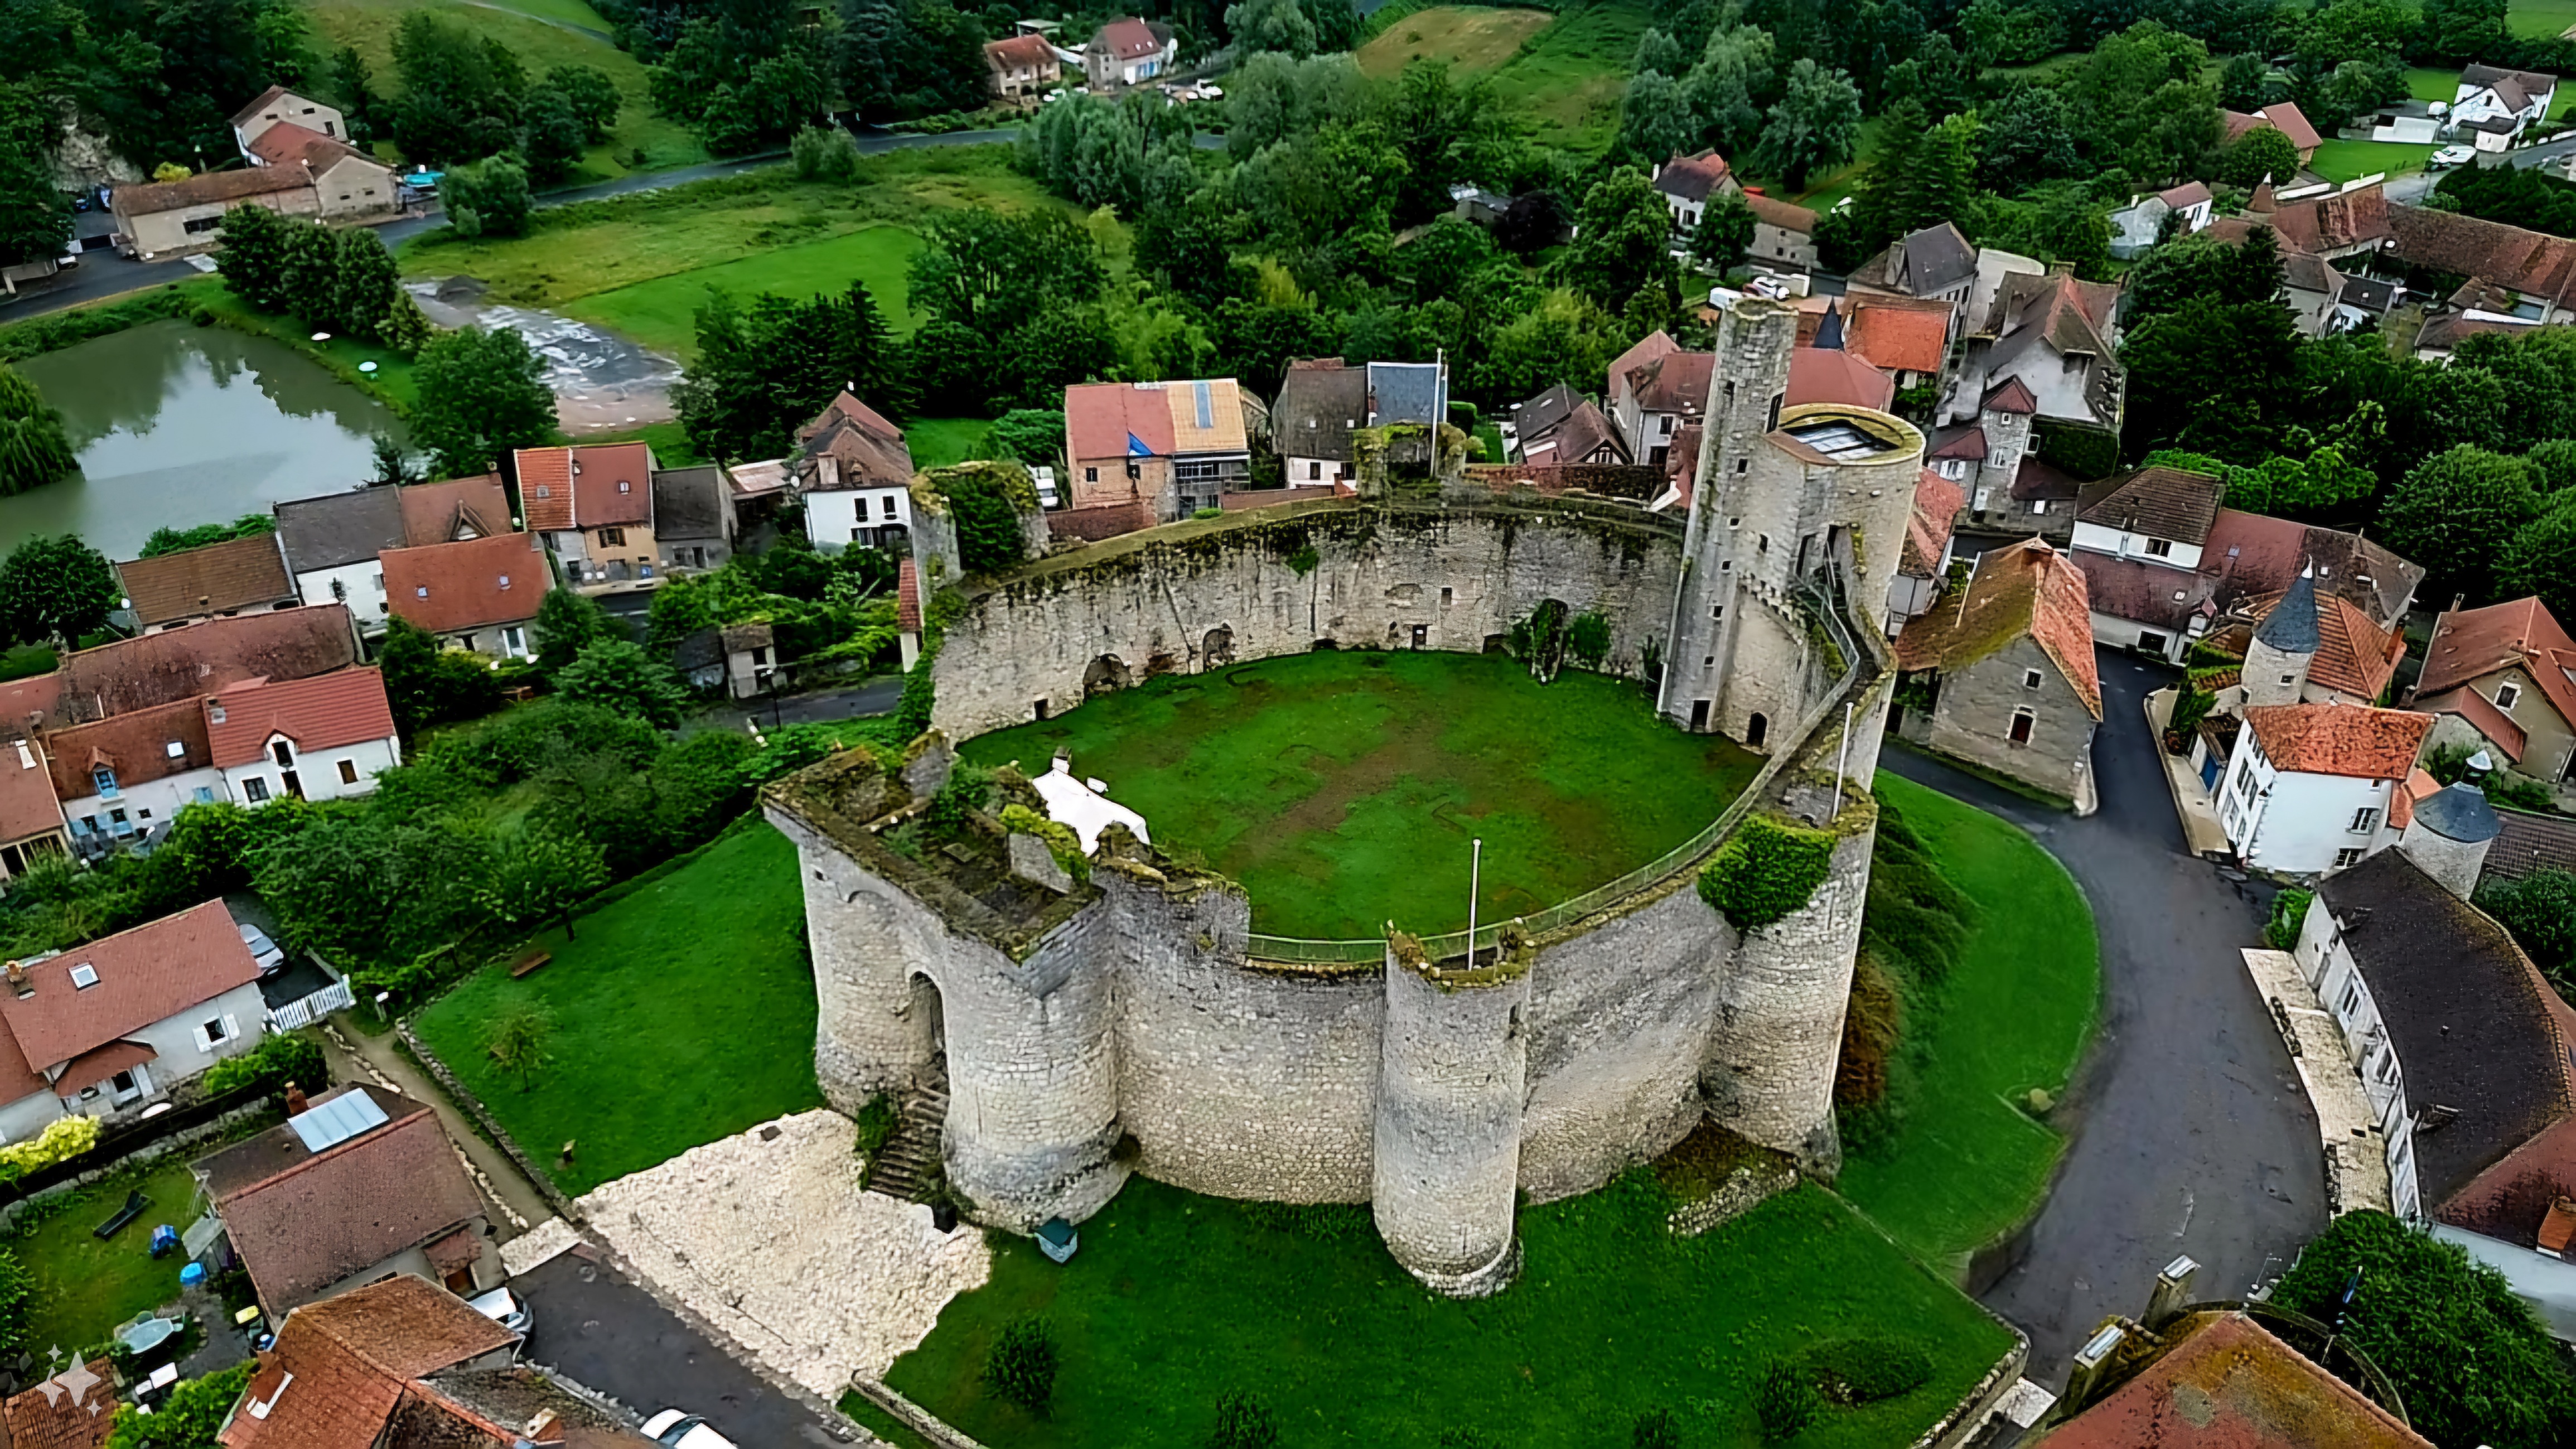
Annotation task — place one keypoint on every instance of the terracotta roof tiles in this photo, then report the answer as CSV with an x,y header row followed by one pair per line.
x,y
146,974
341,1366
2451,241
151,197
325,712
2228,1383
2470,644
1788,216
220,578
287,144
2027,589
456,510
136,746
1692,178
1899,337
450,587
1831,375
2357,741
1020,51
28,805
61,1419
1937,502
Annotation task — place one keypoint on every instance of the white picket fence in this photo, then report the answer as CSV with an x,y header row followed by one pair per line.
x,y
307,1010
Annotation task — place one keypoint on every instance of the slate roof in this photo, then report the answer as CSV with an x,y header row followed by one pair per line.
x,y
2229,1383
304,1220
1583,433
2356,741
2465,1009
216,579
1937,502
136,745
2158,502
2470,644
147,198
2451,241
1831,375
2460,812
325,712
1959,440
1691,178
1407,392
339,528
1937,258
2012,395
1535,418
349,1359
181,664
2531,83
146,974
456,510
688,503
2255,553
2026,589
2291,624
1318,407
451,587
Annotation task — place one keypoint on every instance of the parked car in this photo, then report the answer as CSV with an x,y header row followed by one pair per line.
x,y
2450,156
675,1430
263,950
504,1308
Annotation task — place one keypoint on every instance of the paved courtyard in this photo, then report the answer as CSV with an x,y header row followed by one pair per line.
x,y
767,1236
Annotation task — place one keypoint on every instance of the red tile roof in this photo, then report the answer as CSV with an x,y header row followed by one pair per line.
x,y
1016,51
1937,502
28,805
303,1221
17,1079
907,594
2482,716
220,578
1788,216
2333,223
151,197
457,509
1901,334
2470,644
2026,590
2418,785
1831,375
2256,554
2230,1384
290,145
545,488
448,587
2353,740
321,713
341,1365
1100,417
62,1420
613,485
2354,656
98,1064
2455,242
2011,395
135,745
181,664
147,974
1126,38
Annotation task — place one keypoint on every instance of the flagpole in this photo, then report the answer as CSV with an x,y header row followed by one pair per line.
x,y
1475,879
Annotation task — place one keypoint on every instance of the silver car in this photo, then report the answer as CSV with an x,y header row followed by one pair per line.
x,y
675,1430
504,1308
266,952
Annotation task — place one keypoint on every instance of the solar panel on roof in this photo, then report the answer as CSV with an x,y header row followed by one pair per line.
x,y
336,1121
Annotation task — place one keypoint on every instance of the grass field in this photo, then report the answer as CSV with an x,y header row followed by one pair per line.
x,y
1176,1299
1563,73
1968,1164
1342,788
682,1012
735,225
369,25
938,442
2540,17
2432,83
83,1287
392,381
2348,160
662,313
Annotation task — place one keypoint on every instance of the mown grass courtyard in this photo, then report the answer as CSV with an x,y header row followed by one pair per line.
x,y
1342,789
662,313
79,1285
678,1013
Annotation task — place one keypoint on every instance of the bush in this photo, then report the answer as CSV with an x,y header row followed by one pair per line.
x,y
824,155
1655,1429
1021,1367
190,1419
16,1288
270,1066
1766,870
1244,1422
1784,1401
63,1139
876,1120
2289,914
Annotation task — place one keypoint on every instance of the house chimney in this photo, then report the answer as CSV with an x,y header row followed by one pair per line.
x,y
540,1426
18,981
295,1104
2092,1364
2173,1290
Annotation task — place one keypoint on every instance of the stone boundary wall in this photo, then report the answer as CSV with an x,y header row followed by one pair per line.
x,y
1106,520
911,1415
1953,1429
1609,480
473,1105
1744,1190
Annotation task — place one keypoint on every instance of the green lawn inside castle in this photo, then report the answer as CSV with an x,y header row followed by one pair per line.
x,y
1342,788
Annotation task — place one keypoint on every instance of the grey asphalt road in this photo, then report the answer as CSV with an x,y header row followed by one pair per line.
x,y
2412,189
606,1333
2190,1132
875,696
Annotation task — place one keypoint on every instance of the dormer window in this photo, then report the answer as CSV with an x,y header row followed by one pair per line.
x,y
505,581
215,712
175,750
105,779
281,752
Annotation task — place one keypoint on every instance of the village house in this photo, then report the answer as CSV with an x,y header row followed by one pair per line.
x,y
2002,674
693,518
347,183
2495,105
2247,561
1908,338
593,506
482,594
1560,426
1923,563
1655,389
1158,450
2310,786
2527,274
109,1028
2011,488
1129,52
237,576
2497,679
2309,645
122,779
355,1185
2213,1378
455,511
2141,536
294,170
1784,235
1322,402
854,471
2141,224
750,657
278,105
323,738
2280,116
2057,337
1022,69
330,545
1937,262
180,665
1689,183
31,815
366,1366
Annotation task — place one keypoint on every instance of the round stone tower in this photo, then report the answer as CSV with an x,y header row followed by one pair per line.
x,y
2284,645
1452,1079
2449,836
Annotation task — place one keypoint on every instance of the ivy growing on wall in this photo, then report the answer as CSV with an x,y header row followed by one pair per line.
x,y
1061,842
1766,870
1588,639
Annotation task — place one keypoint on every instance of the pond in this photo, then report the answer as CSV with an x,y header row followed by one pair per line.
x,y
180,425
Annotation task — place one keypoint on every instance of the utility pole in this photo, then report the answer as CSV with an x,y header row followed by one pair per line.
x,y
1475,880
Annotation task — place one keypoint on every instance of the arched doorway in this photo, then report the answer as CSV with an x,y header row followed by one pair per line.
x,y
1107,674
1756,728
1216,651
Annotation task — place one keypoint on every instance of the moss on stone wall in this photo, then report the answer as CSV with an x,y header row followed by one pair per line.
x,y
1767,870
1061,842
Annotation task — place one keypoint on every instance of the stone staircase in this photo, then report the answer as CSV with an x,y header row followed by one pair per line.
x,y
908,1156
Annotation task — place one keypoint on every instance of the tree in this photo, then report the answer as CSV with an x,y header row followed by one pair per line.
x,y
991,273
55,587
1725,231
619,675
427,685
2541,560
35,217
487,198
1280,25
2540,910
482,394
540,874
593,96
2462,30
34,450
2471,1360
2190,385
824,154
909,58
459,101
2026,137
762,373
516,1039
1813,127
2241,84
1622,243
568,623
551,135
1738,73
2260,155
355,86
2458,512
1036,436
190,1418
253,255
1655,120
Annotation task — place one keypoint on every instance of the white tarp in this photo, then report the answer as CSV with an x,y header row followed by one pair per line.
x,y
1071,802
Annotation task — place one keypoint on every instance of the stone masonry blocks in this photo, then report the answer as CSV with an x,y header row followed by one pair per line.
x,y
1456,1062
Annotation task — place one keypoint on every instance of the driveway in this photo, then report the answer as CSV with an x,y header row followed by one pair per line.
x,y
2190,1132
602,1331
875,696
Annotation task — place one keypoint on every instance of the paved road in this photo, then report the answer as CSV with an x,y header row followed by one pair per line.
x,y
604,1332
875,696
2191,1134
2412,189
